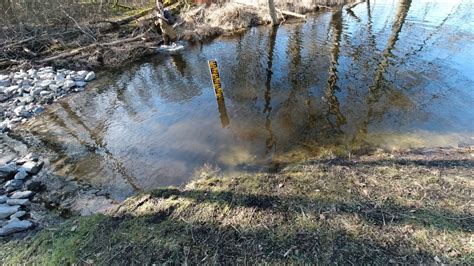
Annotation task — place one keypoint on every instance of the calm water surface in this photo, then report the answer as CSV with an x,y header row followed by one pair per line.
x,y
391,74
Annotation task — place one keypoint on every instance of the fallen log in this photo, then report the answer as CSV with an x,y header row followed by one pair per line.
x,y
89,47
291,14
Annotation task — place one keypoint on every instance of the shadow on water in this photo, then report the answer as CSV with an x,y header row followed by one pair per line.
x,y
338,83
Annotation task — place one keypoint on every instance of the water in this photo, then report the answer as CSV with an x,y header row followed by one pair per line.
x,y
390,74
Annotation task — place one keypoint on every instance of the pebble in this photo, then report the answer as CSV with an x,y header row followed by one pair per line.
x,y
24,93
15,225
15,202
22,194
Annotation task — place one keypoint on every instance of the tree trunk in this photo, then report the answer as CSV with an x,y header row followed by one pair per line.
x,y
272,10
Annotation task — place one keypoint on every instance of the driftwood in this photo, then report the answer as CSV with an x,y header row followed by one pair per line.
x,y
291,14
89,47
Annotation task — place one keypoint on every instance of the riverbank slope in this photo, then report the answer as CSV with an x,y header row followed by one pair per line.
x,y
404,207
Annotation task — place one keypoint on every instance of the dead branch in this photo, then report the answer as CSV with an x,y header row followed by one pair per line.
x,y
352,5
92,46
126,20
291,14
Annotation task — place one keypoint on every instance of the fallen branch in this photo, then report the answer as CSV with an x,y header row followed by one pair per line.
x,y
92,46
291,14
125,20
352,5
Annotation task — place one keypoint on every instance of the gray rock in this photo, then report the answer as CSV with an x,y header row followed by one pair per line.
x,y
3,199
18,214
36,91
81,83
26,99
37,186
15,225
90,76
22,194
69,84
12,185
32,167
21,111
22,202
8,170
21,175
38,110
7,210
44,83
45,93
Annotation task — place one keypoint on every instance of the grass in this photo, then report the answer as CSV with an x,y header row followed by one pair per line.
x,y
372,210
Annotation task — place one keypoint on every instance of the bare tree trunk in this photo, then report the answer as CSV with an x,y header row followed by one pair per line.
x,y
272,10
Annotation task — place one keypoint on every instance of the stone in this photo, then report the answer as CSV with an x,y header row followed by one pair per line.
x,y
22,202
22,194
3,199
80,83
21,175
26,99
37,186
8,170
69,84
21,111
36,91
90,76
32,167
18,214
7,210
38,110
45,93
12,185
15,225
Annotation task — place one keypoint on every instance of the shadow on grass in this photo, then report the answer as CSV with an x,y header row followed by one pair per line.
x,y
389,213
443,164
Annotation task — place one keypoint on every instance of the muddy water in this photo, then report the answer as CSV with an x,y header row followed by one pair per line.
x,y
390,74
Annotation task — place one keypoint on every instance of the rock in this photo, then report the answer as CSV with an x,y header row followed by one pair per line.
x,y
38,110
4,80
15,225
8,170
13,185
7,210
18,214
44,83
90,76
3,199
32,167
82,73
22,202
21,174
36,186
69,84
45,93
80,83
36,91
22,194
21,111
26,99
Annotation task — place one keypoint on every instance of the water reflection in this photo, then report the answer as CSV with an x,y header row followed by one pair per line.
x,y
381,76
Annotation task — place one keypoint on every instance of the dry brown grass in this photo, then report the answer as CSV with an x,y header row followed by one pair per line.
x,y
377,209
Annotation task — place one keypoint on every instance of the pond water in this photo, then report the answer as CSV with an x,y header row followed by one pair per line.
x,y
390,74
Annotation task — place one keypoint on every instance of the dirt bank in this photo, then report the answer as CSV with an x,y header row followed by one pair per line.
x,y
408,207
111,42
